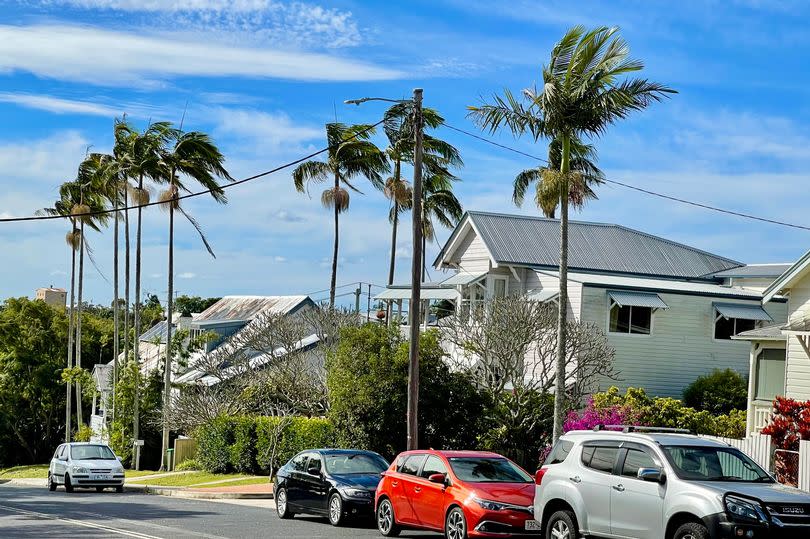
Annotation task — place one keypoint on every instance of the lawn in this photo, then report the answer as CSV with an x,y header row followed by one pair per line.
x,y
246,481
139,473
37,471
188,479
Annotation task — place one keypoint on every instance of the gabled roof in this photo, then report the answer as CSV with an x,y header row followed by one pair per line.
x,y
534,241
750,271
245,308
790,276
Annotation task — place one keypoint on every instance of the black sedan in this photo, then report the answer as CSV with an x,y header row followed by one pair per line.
x,y
335,483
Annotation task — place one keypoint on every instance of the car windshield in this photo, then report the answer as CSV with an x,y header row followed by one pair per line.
x,y
355,463
706,463
91,452
488,470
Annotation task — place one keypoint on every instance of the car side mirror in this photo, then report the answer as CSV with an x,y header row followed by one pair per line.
x,y
652,475
119,459
314,470
439,478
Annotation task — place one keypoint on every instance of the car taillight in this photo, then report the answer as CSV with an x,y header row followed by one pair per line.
x,y
538,476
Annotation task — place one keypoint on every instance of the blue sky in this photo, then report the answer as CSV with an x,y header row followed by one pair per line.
x,y
263,77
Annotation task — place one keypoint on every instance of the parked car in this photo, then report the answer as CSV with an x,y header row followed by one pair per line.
x,y
85,465
659,483
334,483
461,493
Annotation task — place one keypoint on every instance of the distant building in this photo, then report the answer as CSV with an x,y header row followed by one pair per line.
x,y
56,297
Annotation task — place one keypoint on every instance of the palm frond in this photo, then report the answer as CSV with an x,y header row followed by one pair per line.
x,y
310,172
522,182
199,230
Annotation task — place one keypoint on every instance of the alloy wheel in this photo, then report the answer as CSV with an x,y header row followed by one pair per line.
x,y
455,525
560,530
385,517
281,501
335,509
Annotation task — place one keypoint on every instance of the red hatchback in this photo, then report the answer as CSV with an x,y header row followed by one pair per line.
x,y
461,493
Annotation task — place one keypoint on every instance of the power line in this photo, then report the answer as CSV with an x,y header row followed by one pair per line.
x,y
187,195
639,189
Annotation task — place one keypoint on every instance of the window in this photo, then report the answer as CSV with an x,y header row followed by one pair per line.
x,y
602,459
559,453
770,373
412,464
91,452
695,463
488,470
635,460
433,465
299,463
314,461
725,328
359,463
627,319
58,450
499,287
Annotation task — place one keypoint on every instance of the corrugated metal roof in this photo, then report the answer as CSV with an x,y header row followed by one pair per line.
x,y
463,278
158,331
543,295
742,310
767,333
755,270
637,299
248,307
535,241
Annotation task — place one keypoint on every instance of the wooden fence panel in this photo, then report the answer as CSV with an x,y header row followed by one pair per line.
x,y
804,465
184,449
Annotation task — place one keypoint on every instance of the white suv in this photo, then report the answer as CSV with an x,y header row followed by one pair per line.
x,y
661,484
85,465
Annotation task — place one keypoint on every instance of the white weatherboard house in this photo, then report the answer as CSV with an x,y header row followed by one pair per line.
x,y
780,353
669,310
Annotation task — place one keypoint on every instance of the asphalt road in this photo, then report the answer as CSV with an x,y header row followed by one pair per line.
x,y
34,513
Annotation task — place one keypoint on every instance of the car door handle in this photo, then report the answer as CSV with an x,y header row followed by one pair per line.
x,y
575,479
417,489
619,487
394,483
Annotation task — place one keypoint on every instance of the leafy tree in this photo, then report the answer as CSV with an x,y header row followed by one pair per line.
x,y
186,305
350,154
719,392
584,92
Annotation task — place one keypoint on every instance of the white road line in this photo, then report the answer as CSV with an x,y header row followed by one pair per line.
x,y
86,524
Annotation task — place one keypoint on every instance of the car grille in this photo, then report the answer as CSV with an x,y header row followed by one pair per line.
x,y
790,513
100,470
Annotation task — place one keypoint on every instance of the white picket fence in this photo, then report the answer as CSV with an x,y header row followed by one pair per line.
x,y
756,446
804,465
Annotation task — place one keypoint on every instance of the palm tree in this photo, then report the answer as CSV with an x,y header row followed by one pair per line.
x,y
583,93
547,196
440,204
350,154
194,156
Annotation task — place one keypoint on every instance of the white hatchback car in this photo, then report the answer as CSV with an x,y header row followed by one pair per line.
x,y
85,465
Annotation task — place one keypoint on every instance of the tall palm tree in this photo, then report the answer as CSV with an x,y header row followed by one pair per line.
x,y
547,195
439,204
189,156
350,154
584,92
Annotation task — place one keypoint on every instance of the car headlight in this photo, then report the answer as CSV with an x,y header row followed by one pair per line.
x,y
79,470
489,505
740,508
118,470
357,493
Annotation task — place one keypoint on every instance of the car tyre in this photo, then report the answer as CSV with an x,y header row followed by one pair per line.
x,y
386,521
455,524
119,489
562,525
68,484
51,483
692,530
99,489
336,510
282,509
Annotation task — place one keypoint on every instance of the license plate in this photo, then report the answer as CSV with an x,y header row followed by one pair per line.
x,y
100,477
532,525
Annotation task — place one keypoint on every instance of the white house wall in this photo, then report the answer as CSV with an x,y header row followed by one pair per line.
x,y
797,369
473,255
544,280
680,348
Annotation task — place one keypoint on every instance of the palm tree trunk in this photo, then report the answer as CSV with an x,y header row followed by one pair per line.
x,y
167,367
559,375
424,246
126,277
393,254
115,307
333,282
137,323
79,418
68,392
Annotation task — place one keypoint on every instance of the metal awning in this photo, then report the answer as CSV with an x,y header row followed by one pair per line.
x,y
637,299
463,278
546,294
746,311
427,293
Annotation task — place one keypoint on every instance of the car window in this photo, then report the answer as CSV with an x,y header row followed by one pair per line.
x,y
560,452
602,458
412,464
698,463
91,452
433,465
351,463
299,463
635,460
488,470
56,453
314,461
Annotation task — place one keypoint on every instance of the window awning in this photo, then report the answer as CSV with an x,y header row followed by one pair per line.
x,y
427,293
742,310
637,299
463,278
546,294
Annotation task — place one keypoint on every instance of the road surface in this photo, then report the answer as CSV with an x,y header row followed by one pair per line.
x,y
34,513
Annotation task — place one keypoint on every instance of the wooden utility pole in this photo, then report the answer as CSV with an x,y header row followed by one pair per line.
x,y
414,306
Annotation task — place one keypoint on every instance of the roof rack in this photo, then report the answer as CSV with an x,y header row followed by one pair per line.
x,y
639,428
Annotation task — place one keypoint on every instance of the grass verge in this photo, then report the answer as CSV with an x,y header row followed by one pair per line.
x,y
246,481
37,471
187,479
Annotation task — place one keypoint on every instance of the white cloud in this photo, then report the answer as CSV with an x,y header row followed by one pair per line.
x,y
51,160
271,129
186,275
97,56
57,105
279,259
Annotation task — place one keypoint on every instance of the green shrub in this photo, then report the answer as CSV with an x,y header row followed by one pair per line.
x,y
83,434
718,393
214,440
243,449
188,464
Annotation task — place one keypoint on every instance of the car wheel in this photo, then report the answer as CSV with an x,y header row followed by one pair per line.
x,y
692,530
562,525
99,489
68,484
335,509
386,521
455,525
282,508
119,489
51,484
